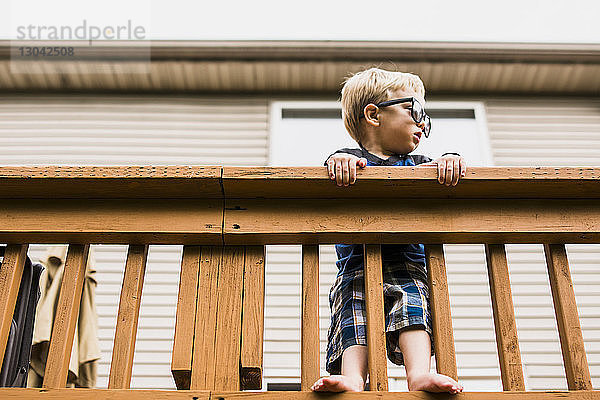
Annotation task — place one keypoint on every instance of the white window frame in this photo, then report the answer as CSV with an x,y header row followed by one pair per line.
x,y
478,107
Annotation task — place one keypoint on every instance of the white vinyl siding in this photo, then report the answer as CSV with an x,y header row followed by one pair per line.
x,y
544,132
129,130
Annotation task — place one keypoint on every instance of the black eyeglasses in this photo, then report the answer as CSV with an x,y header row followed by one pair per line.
x,y
417,112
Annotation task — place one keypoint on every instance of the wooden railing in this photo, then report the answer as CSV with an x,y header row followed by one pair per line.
x,y
224,216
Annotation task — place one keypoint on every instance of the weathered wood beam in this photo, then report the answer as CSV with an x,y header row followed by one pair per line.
x,y
229,319
310,221
582,395
115,394
100,394
310,368
253,318
567,318
509,354
412,182
185,320
127,317
216,182
11,272
142,221
67,314
439,298
95,182
376,341
203,359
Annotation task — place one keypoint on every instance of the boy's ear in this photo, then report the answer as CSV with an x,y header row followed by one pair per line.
x,y
371,113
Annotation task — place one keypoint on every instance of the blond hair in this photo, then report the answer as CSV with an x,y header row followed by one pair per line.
x,y
372,86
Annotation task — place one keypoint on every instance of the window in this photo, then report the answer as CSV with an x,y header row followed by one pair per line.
x,y
304,133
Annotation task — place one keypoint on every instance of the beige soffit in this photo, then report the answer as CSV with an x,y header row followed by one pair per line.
x,y
302,66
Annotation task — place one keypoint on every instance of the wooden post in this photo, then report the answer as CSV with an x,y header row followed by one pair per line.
x,y
439,299
65,320
229,319
567,318
127,318
185,321
253,318
509,354
203,361
310,353
11,272
376,344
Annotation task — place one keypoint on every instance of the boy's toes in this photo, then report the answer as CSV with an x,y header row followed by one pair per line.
x,y
338,383
435,383
317,385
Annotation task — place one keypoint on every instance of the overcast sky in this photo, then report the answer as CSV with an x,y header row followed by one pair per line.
x,y
573,21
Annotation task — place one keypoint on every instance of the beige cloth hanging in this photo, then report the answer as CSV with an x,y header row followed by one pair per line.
x,y
86,346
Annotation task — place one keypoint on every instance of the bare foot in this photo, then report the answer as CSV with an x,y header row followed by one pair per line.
x,y
339,383
434,383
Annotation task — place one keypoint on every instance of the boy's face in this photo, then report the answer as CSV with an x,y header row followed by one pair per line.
x,y
397,132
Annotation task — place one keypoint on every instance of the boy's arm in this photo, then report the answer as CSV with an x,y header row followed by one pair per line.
x,y
341,165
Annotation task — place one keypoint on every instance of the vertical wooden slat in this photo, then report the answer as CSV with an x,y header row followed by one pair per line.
x,y
509,354
310,362
567,318
439,299
185,321
203,360
229,319
253,318
67,313
11,272
127,318
376,344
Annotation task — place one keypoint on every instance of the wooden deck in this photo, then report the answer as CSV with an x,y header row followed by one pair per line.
x,y
120,394
224,216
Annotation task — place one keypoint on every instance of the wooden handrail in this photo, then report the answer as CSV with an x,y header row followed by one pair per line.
x,y
224,216
226,205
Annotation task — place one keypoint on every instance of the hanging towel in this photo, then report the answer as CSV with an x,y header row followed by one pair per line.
x,y
86,347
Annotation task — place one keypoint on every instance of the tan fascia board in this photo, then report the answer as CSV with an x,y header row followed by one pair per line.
x,y
335,51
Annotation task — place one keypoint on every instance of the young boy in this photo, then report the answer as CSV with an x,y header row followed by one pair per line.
x,y
384,112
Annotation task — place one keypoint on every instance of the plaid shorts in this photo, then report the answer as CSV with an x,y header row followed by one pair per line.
x,y
406,304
